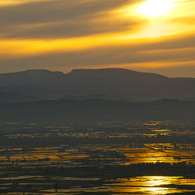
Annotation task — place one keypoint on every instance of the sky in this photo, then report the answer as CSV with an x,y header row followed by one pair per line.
x,y
60,35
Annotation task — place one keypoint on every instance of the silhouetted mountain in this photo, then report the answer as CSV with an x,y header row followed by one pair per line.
x,y
93,97
90,110
114,83
40,83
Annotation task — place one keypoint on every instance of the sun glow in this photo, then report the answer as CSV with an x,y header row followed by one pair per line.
x,y
155,8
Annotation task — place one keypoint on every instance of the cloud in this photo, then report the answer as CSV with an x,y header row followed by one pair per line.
x,y
62,18
67,34
158,55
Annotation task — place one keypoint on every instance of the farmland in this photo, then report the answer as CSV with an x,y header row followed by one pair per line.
x,y
76,159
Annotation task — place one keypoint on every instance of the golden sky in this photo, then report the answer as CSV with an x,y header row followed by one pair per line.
x,y
144,35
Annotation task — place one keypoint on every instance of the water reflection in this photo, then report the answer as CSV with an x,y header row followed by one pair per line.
x,y
147,185
153,185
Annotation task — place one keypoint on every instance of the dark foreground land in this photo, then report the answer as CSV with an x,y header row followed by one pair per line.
x,y
97,110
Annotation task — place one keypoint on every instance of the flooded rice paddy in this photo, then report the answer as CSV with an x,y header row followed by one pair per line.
x,y
148,185
153,158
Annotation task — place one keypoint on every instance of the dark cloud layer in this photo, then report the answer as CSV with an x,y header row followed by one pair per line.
x,y
59,18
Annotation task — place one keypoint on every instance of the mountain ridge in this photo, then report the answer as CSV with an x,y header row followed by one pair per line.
x,y
89,70
109,82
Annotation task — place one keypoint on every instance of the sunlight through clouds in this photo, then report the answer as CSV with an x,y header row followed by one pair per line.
x,y
44,27
155,8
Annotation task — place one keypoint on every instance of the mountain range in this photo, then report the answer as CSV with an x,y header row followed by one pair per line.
x,y
81,84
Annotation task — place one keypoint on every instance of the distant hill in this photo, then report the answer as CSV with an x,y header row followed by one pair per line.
x,y
15,97
93,97
37,83
113,84
97,110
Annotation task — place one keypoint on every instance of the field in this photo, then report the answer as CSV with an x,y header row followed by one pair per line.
x,y
155,157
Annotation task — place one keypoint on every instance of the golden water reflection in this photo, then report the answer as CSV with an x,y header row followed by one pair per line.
x,y
153,185
147,185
